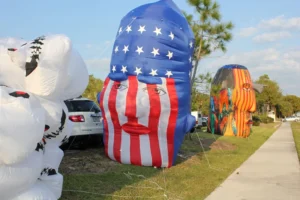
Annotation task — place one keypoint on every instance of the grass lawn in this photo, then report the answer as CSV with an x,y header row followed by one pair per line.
x,y
91,176
296,133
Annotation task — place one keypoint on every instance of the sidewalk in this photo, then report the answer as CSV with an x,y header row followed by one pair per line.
x,y
271,173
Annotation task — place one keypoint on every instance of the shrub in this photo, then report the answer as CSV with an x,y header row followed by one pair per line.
x,y
256,123
256,120
270,120
263,119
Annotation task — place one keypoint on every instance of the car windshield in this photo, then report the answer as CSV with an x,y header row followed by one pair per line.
x,y
82,106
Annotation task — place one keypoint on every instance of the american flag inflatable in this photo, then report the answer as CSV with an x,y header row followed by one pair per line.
x,y
145,100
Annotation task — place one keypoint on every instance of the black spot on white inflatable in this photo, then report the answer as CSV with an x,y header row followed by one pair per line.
x,y
36,51
48,171
40,146
20,94
47,127
60,129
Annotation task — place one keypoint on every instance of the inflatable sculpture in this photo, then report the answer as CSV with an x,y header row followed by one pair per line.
x,y
145,100
35,79
232,101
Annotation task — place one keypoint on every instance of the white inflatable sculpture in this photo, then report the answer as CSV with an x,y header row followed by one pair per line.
x,y
35,79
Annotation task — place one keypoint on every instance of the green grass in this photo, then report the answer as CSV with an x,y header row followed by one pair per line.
x,y
296,133
196,174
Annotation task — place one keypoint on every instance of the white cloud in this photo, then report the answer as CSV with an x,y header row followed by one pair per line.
x,y
292,54
279,27
283,67
281,22
271,36
246,32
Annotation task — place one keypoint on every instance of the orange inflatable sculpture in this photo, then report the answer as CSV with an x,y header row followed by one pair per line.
x,y
232,100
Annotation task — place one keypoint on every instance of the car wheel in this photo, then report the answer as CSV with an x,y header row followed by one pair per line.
x,y
84,143
192,130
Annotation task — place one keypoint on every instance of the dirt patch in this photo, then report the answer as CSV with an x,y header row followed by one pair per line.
x,y
193,147
213,144
221,145
86,161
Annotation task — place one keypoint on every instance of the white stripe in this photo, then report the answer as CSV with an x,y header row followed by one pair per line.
x,y
143,109
143,104
121,102
164,122
125,148
146,157
111,130
121,109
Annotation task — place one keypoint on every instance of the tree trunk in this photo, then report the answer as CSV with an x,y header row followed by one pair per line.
x,y
194,74
197,61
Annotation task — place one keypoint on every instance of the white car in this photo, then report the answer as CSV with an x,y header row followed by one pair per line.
x,y
198,116
86,117
204,121
290,119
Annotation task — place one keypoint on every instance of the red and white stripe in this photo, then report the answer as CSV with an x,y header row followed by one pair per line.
x,y
138,103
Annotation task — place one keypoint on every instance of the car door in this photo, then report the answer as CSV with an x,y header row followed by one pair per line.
x,y
93,118
91,113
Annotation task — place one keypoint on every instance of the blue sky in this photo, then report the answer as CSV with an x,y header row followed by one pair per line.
x,y
266,33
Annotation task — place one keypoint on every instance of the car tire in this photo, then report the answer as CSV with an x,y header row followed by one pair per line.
x,y
192,130
84,143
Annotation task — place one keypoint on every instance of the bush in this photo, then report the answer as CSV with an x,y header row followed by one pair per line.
x,y
263,119
270,120
256,123
256,120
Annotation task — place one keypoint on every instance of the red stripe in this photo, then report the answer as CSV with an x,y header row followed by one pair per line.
x,y
153,124
244,104
103,115
237,87
238,99
248,100
135,151
172,119
250,92
244,101
115,120
241,98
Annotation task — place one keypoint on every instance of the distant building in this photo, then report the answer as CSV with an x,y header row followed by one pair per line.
x,y
272,114
270,111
